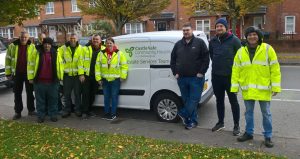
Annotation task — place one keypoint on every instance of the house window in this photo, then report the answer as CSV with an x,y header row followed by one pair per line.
x,y
203,25
74,6
258,21
50,8
7,32
89,27
290,24
32,31
92,3
131,28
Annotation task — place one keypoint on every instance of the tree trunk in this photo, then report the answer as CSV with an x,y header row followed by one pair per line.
x,y
233,24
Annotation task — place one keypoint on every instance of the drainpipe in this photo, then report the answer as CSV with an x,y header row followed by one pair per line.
x,y
177,14
63,11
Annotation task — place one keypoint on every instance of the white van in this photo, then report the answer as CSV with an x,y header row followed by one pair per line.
x,y
150,83
3,79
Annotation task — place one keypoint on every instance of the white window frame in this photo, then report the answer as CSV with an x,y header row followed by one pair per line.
x,y
74,6
258,18
49,8
7,33
92,3
32,31
202,21
129,28
294,25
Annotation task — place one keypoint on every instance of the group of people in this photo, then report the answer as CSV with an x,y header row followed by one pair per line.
x,y
82,69
252,67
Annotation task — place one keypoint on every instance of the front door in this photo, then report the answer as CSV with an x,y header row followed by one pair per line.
x,y
161,26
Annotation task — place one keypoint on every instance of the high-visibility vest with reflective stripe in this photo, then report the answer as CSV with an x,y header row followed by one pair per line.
x,y
33,65
86,60
70,64
118,66
259,78
11,57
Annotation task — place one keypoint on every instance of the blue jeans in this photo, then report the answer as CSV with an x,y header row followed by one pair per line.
x,y
191,90
45,92
111,93
266,113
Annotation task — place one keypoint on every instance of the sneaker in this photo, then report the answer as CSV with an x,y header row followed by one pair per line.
x,y
106,116
184,121
53,119
91,114
33,113
112,117
84,116
65,114
236,130
218,127
245,137
40,120
268,142
191,126
17,116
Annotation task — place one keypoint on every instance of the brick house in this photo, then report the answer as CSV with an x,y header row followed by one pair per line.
x,y
61,17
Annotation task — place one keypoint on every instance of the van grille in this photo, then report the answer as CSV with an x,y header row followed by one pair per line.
x,y
2,70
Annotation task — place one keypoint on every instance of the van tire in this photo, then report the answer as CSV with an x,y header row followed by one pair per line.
x,y
166,106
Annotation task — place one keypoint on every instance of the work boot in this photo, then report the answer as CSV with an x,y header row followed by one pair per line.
x,y
245,137
65,114
33,113
268,142
40,120
17,116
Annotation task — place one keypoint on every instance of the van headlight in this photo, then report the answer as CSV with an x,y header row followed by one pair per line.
x,y
205,86
1,66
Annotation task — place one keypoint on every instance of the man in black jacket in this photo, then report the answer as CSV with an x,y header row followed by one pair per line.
x,y
189,63
222,49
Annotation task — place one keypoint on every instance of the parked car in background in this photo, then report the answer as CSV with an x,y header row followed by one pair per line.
x,y
84,40
3,79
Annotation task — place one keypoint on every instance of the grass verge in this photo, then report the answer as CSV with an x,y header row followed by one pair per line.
x,y
27,140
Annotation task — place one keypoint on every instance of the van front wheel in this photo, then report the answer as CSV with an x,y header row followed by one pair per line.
x,y
166,106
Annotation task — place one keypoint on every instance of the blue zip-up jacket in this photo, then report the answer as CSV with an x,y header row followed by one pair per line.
x,y
222,51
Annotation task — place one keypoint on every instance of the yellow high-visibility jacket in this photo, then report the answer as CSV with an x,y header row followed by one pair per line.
x,y
118,66
12,56
259,78
71,64
34,61
86,60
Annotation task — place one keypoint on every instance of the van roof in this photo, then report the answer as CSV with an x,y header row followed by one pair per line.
x,y
159,34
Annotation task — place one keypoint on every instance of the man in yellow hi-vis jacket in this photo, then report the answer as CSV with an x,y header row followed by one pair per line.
x,y
15,69
257,72
71,53
87,71
111,67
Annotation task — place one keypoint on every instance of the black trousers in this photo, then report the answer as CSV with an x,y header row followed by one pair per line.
x,y
19,80
220,85
89,89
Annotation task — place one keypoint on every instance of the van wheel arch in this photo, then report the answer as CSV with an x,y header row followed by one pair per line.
x,y
165,102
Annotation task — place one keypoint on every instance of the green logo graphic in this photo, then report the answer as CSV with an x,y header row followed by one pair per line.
x,y
129,51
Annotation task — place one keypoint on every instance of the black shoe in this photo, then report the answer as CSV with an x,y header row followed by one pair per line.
x,y
33,113
245,137
84,116
112,117
236,130
40,120
78,114
268,143
17,116
53,119
218,127
91,114
106,116
65,114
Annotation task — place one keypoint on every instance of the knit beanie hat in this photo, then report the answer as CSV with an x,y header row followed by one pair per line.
x,y
222,21
48,41
255,29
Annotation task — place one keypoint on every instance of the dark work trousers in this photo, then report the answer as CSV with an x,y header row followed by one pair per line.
x,y
89,89
220,85
71,83
19,79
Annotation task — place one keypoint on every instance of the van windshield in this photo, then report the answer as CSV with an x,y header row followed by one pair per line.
x,y
2,47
